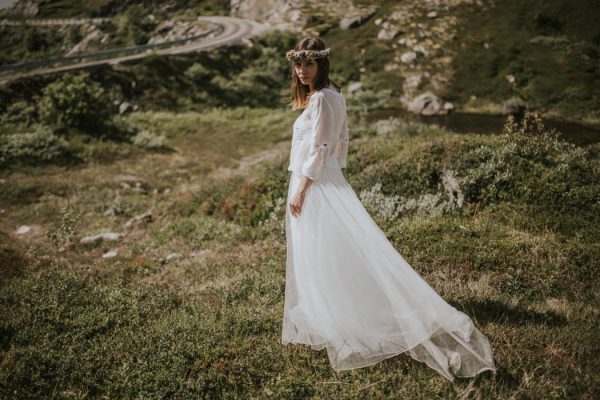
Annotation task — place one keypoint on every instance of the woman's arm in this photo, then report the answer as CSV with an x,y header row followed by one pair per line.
x,y
298,199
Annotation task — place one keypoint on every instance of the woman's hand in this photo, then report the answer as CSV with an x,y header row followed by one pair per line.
x,y
297,203
298,199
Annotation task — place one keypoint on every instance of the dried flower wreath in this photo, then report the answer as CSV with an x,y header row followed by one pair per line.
x,y
306,55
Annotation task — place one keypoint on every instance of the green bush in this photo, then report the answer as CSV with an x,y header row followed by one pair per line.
x,y
75,102
38,147
18,112
527,164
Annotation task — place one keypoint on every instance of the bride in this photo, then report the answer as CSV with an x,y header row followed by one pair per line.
x,y
347,288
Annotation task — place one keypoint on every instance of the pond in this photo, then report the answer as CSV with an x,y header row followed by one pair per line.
x,y
489,124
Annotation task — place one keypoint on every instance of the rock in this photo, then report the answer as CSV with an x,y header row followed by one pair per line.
x,y
378,21
388,34
355,18
413,81
108,236
421,49
23,229
399,16
438,86
24,8
448,106
133,182
408,57
145,218
432,14
514,106
354,87
426,104
408,42
510,78
125,107
285,14
81,47
113,211
164,27
169,257
110,254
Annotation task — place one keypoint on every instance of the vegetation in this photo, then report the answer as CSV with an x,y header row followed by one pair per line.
x,y
517,254
75,102
188,301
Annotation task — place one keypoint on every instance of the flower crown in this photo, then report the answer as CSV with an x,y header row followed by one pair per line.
x,y
305,55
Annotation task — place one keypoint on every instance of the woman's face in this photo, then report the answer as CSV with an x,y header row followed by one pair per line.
x,y
306,71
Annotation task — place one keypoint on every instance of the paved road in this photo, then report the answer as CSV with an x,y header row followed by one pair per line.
x,y
229,31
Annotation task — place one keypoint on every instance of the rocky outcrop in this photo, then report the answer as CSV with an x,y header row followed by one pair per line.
x,y
294,15
170,30
23,9
356,16
283,14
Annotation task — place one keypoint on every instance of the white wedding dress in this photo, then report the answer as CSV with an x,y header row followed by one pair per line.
x,y
347,288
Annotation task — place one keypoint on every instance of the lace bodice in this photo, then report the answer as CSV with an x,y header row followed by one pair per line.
x,y
320,136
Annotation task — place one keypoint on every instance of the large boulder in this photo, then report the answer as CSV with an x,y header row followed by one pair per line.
x,y
427,104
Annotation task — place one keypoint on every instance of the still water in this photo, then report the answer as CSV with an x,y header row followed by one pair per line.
x,y
490,124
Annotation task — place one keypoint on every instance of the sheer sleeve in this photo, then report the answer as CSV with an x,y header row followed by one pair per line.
x,y
320,138
341,150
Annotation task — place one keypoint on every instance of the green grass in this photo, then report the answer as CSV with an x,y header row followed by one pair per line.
x,y
519,258
551,47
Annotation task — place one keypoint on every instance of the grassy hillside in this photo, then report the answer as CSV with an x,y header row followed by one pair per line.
x,y
552,48
514,247
187,302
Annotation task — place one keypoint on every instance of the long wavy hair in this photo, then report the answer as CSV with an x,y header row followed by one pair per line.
x,y
300,92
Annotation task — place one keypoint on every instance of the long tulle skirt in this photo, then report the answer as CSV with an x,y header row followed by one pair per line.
x,y
349,290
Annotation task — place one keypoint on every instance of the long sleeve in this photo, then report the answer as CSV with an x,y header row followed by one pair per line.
x,y
320,138
341,150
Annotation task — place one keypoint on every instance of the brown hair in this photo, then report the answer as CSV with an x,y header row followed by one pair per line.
x,y
299,92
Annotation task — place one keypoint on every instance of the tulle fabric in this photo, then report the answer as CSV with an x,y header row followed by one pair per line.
x,y
349,290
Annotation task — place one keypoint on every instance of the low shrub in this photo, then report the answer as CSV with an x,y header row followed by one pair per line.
x,y
32,148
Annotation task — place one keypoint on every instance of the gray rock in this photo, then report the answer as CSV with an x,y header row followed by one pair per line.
x,y
448,106
426,104
350,21
413,81
408,57
23,229
388,31
108,236
110,254
143,218
355,87
125,107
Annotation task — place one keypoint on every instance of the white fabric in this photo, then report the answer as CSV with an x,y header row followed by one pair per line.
x,y
347,288
320,136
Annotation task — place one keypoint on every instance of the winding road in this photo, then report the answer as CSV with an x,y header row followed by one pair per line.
x,y
228,31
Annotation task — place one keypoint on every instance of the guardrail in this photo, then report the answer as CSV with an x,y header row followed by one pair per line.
x,y
99,55
52,21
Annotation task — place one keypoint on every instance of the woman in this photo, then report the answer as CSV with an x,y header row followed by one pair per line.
x,y
347,288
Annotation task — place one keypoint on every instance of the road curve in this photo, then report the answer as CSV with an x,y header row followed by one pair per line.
x,y
232,31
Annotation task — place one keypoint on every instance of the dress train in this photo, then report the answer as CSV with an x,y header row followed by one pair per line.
x,y
349,290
